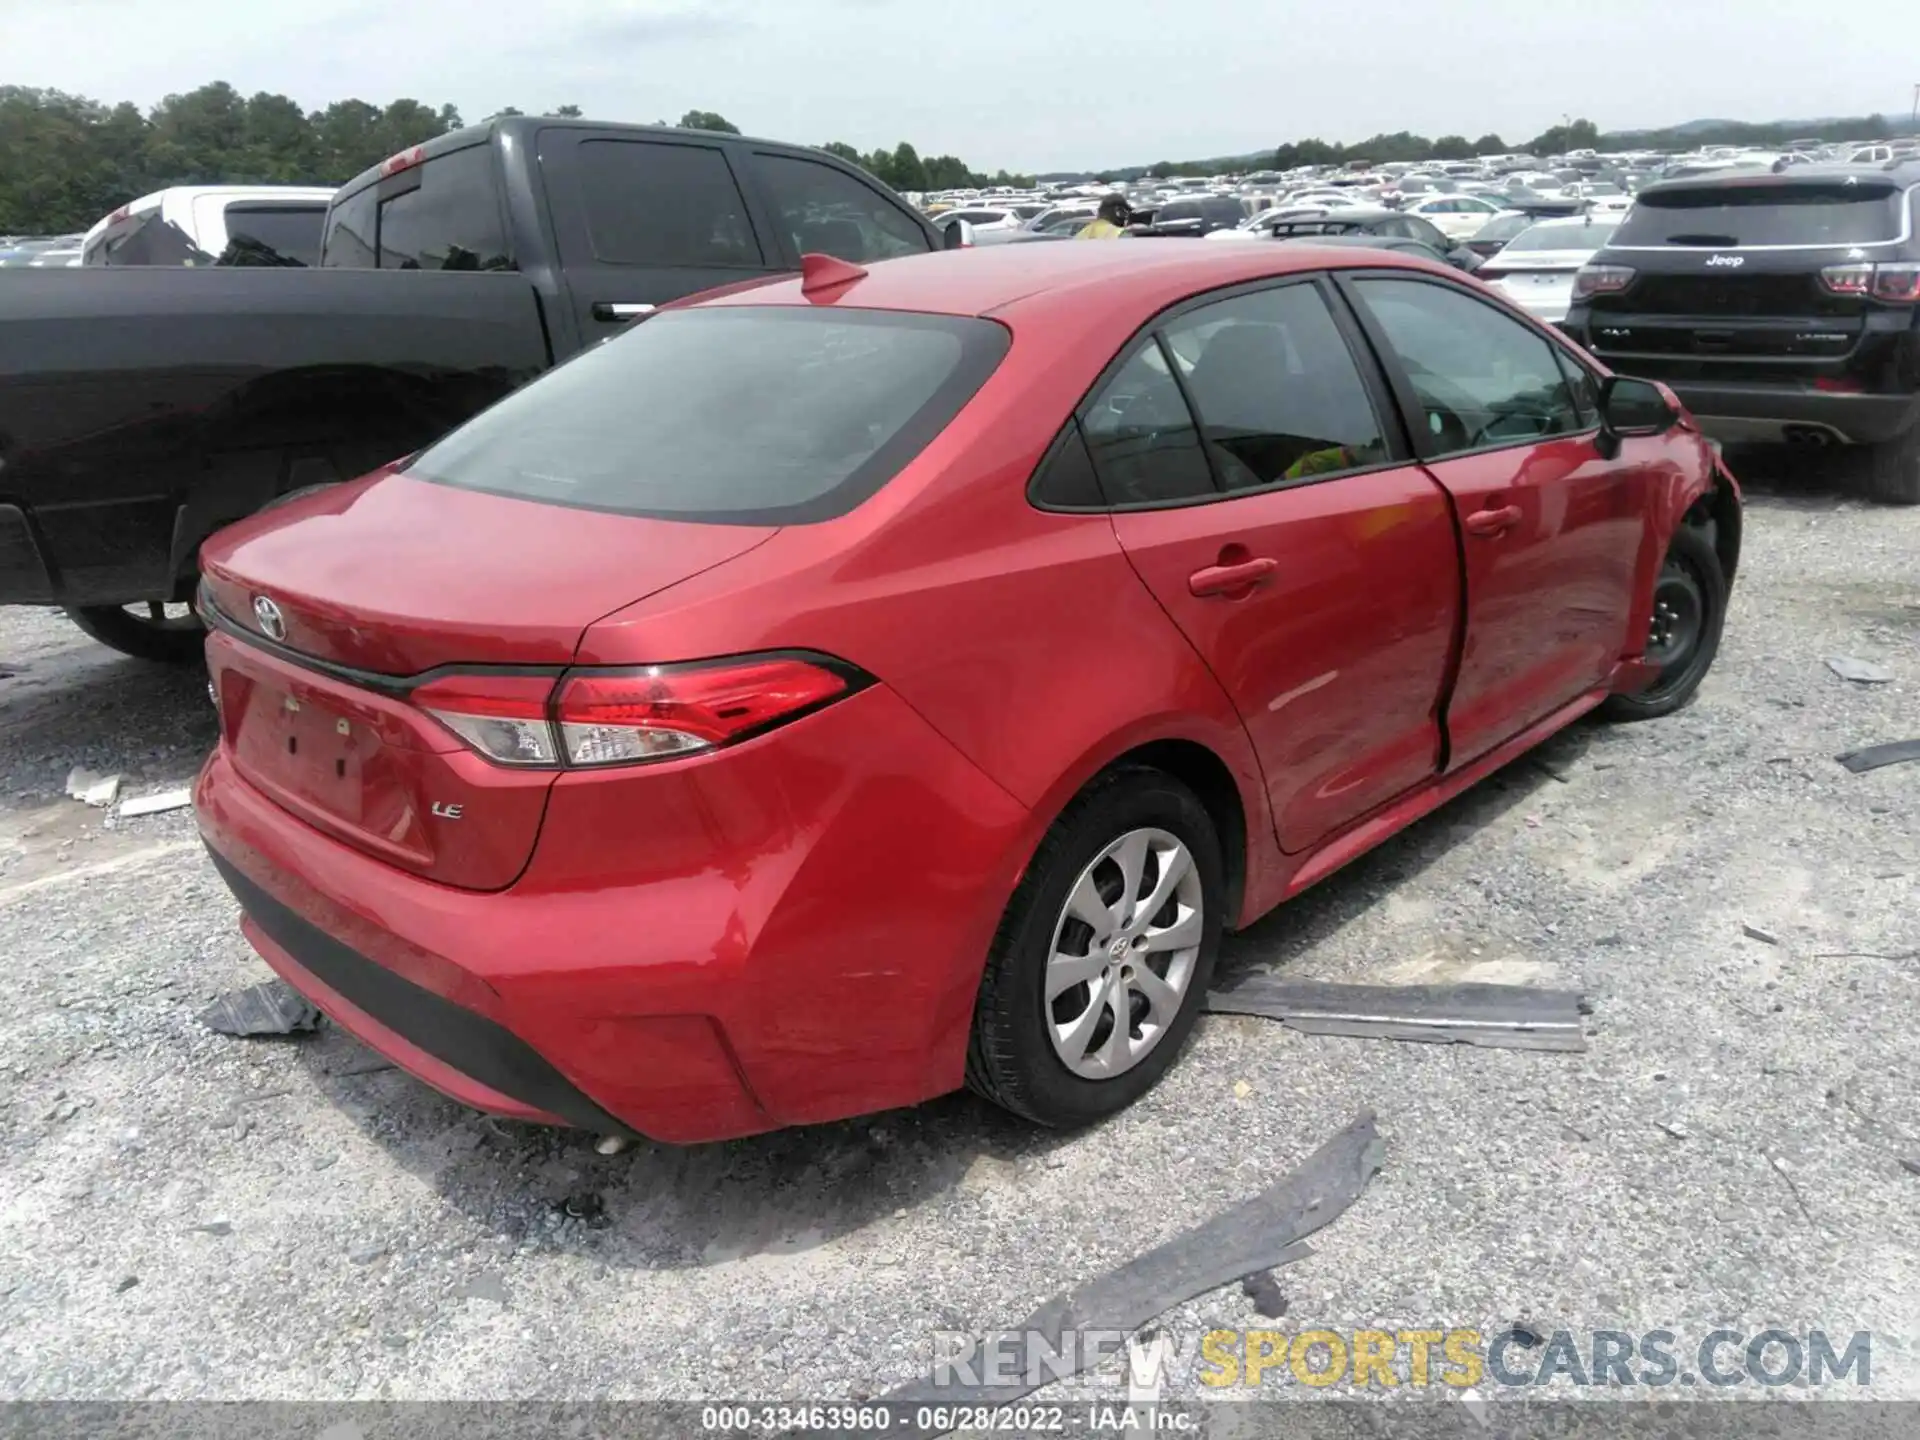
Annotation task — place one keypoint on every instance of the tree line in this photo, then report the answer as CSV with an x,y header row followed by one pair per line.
x,y
66,160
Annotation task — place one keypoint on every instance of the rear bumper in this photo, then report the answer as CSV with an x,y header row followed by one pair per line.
x,y
787,932
1737,413
457,1051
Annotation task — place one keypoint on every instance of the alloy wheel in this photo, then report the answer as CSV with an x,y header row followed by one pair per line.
x,y
1124,951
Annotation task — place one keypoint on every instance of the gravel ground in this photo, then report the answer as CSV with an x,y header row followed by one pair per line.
x,y
184,1215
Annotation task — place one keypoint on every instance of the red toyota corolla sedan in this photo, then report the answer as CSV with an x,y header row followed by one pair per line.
x,y
844,688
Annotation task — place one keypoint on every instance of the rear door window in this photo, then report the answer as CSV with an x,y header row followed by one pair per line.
x,y
1276,388
651,203
442,215
1727,216
745,415
826,211
1144,442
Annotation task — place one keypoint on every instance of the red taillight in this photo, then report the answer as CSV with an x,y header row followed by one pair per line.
x,y
1898,281
504,717
626,717
1591,280
620,717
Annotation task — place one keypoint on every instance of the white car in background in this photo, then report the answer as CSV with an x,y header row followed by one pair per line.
x,y
193,224
1458,217
984,219
1535,269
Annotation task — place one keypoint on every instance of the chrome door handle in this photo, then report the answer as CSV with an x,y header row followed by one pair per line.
x,y
616,310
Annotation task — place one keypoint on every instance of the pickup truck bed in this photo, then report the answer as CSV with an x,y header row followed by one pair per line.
x,y
143,408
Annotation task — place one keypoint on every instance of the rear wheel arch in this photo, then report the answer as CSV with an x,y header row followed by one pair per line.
x,y
1207,775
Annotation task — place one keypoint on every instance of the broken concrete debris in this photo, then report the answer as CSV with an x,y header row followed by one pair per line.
x,y
1754,932
92,788
270,1008
1510,1017
1861,672
155,804
1259,1234
1897,752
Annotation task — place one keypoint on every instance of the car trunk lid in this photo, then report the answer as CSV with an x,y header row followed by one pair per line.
x,y
372,584
396,576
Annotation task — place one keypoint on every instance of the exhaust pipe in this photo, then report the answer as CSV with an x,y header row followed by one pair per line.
x,y
1811,436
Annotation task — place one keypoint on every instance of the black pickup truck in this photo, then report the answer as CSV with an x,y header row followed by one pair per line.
x,y
141,409
1779,306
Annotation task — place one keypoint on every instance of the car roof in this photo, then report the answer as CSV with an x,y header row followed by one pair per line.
x,y
1896,174
1025,281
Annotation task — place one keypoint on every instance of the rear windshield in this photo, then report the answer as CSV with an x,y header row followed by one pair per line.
x,y
1563,237
749,415
290,232
1727,215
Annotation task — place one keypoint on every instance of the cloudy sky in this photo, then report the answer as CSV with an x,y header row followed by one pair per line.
x,y
1025,84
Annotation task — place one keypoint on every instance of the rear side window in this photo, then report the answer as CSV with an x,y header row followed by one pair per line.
x,y
291,234
826,211
1277,391
1729,215
440,215
648,203
747,415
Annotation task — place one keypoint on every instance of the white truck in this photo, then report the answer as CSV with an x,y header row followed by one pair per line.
x,y
194,224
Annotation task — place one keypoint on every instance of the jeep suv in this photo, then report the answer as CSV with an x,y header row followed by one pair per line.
x,y
1781,307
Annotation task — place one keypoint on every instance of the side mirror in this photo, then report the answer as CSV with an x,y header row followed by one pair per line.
x,y
1461,258
957,235
1632,407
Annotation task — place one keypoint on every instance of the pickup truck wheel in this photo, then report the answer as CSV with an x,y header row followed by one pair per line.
x,y
1894,474
1683,636
146,630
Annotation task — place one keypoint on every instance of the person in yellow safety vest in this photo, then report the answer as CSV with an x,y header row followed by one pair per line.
x,y
1110,223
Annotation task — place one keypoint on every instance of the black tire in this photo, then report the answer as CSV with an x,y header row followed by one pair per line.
x,y
1690,576
1893,473
166,639
1011,1059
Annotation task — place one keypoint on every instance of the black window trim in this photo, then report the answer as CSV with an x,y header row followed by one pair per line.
x,y
766,265
1408,400
1366,361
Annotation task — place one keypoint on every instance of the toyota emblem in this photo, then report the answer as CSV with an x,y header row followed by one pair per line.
x,y
273,625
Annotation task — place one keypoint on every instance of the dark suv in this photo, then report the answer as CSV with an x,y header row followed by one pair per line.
x,y
1781,307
